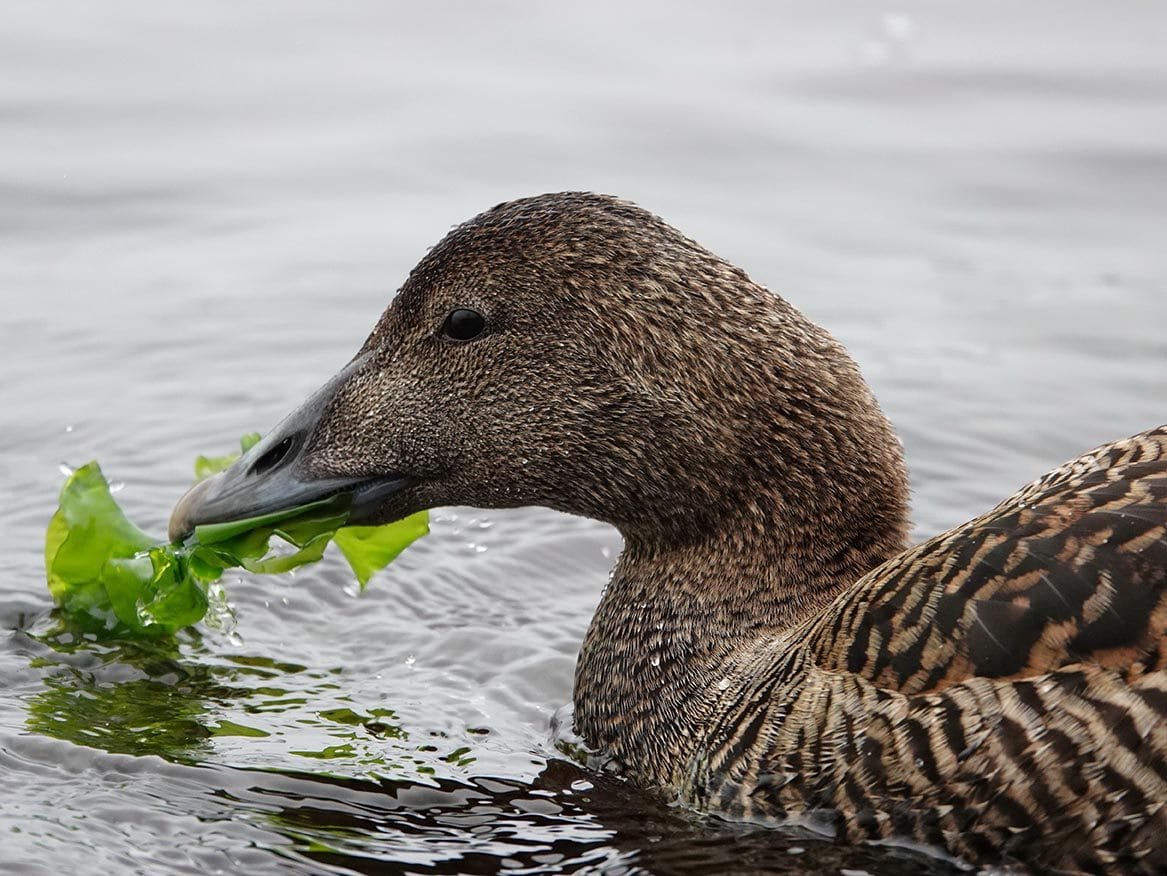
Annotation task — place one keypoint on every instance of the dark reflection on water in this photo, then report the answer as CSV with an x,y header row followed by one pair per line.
x,y
568,820
153,700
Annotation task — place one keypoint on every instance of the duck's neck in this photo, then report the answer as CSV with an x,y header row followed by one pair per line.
x,y
663,641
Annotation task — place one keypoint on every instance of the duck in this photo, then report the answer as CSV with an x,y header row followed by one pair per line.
x,y
769,646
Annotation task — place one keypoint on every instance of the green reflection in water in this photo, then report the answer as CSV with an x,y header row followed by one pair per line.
x,y
156,698
132,698
230,728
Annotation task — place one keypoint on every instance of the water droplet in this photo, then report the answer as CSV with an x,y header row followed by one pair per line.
x,y
410,660
117,486
66,470
655,660
68,428
919,763
723,684
607,552
220,615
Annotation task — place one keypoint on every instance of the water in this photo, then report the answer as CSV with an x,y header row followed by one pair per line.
x,y
203,209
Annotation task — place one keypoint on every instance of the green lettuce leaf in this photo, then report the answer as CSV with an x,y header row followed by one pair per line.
x,y
369,549
109,577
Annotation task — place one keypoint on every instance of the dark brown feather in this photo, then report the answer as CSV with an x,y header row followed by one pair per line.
x,y
1072,569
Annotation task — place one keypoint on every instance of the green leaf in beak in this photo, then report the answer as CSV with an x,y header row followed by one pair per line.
x,y
110,578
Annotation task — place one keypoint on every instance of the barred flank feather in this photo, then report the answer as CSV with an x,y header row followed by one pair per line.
x,y
999,691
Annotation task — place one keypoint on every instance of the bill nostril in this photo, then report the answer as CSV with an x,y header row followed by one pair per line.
x,y
272,458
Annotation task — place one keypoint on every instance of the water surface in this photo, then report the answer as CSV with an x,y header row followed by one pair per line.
x,y
204,208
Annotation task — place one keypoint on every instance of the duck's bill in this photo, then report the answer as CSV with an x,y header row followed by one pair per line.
x,y
240,495
272,480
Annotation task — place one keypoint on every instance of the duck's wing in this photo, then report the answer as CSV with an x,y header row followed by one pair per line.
x,y
1072,569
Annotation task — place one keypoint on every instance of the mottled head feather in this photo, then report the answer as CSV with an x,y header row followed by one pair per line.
x,y
628,374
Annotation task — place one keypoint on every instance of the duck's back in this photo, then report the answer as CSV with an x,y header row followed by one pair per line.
x,y
999,690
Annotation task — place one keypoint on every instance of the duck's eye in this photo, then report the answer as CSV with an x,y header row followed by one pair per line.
x,y
464,325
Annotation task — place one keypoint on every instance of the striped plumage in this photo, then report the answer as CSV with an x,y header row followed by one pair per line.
x,y
998,691
766,645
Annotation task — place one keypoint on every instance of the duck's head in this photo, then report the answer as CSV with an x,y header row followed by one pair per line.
x,y
576,352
